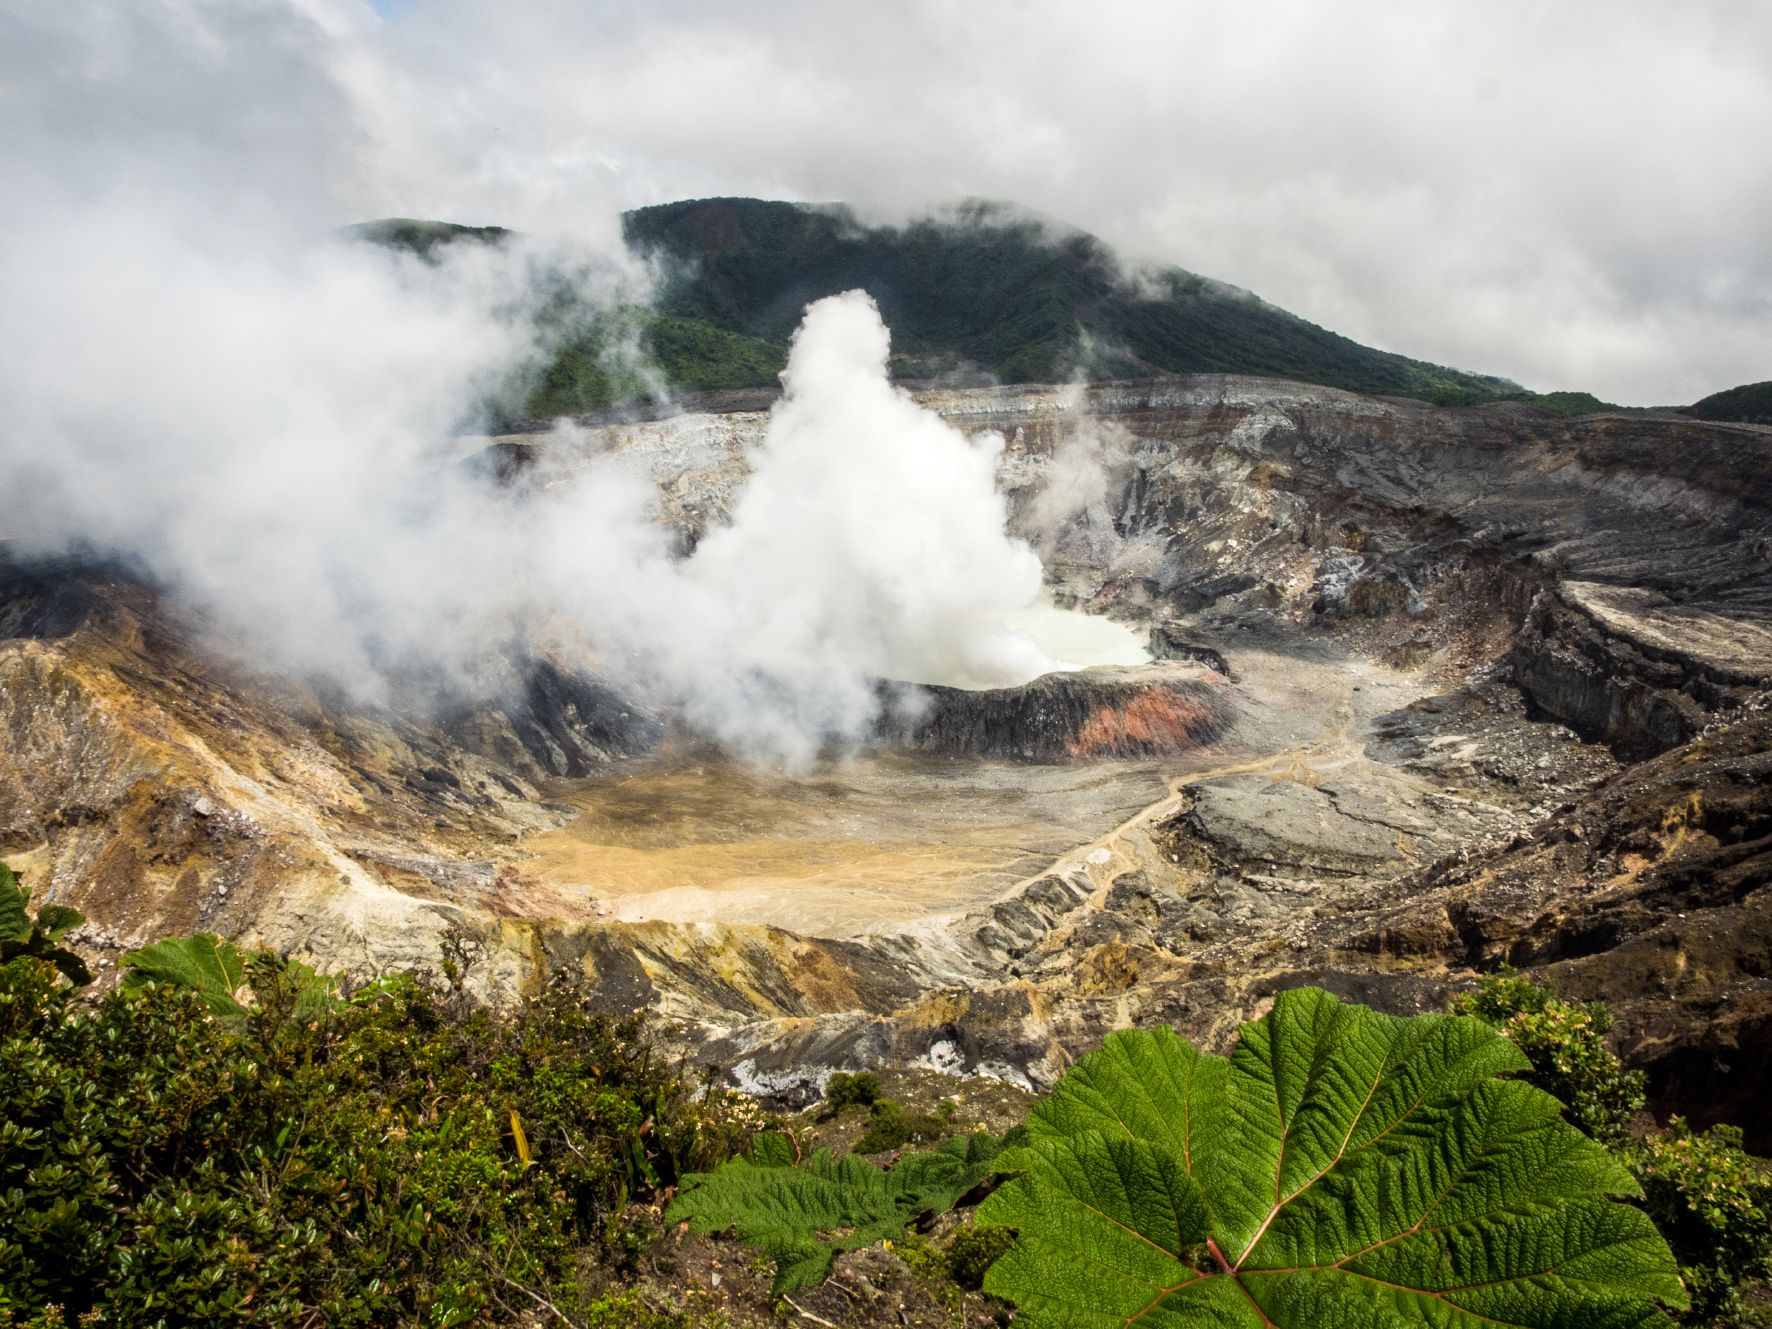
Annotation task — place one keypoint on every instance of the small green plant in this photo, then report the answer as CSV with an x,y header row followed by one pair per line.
x,y
1713,1202
1340,1167
625,1309
805,1213
973,1250
38,937
844,1090
1566,1043
891,1125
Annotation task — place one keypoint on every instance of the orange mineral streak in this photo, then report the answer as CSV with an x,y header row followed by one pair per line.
x,y
1155,721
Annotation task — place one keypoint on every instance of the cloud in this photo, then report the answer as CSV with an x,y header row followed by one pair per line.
x,y
1572,196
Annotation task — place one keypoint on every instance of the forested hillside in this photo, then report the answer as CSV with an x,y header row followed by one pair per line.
x,y
984,293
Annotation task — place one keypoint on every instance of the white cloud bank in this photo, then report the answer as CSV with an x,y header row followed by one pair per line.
x,y
1571,195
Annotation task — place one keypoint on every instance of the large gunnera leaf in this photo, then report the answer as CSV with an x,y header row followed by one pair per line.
x,y
15,923
217,970
804,1214
212,968
1340,1168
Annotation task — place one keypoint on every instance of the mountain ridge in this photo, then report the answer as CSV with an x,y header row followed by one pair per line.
x,y
984,294
1751,404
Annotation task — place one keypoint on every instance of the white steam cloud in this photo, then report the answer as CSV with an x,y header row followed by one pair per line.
x,y
868,545
265,430
1071,515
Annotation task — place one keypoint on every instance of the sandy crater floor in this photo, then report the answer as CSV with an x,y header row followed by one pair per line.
x,y
880,842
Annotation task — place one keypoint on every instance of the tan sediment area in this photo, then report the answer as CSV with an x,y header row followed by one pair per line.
x,y
882,841
869,842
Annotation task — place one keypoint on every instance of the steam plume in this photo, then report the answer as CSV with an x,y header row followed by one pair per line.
x,y
870,543
263,430
197,379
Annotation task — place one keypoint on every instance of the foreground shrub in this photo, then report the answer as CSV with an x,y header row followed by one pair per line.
x,y
1566,1043
399,1158
804,1212
1341,1167
1710,1199
891,1125
38,935
1713,1202
843,1090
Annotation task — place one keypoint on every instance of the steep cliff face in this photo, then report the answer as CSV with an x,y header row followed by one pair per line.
x,y
159,790
1636,666
1654,891
1436,689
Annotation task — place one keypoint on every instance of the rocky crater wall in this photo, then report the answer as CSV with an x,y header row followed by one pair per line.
x,y
1513,634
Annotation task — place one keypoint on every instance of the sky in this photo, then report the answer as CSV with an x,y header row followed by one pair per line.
x,y
1572,195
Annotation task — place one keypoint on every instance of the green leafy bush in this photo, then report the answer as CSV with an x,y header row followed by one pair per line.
x,y
394,1159
891,1125
1341,1167
805,1212
844,1090
1566,1043
625,1309
1713,1202
228,1138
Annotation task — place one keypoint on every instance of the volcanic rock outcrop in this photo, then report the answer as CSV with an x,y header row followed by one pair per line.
x,y
161,790
1153,711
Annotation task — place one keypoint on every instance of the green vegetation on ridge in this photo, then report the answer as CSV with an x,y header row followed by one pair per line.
x,y
983,292
990,290
422,237
1749,404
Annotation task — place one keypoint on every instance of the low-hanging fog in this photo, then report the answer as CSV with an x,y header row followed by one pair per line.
x,y
201,377
262,426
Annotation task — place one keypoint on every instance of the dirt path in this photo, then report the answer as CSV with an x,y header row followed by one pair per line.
x,y
1111,855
